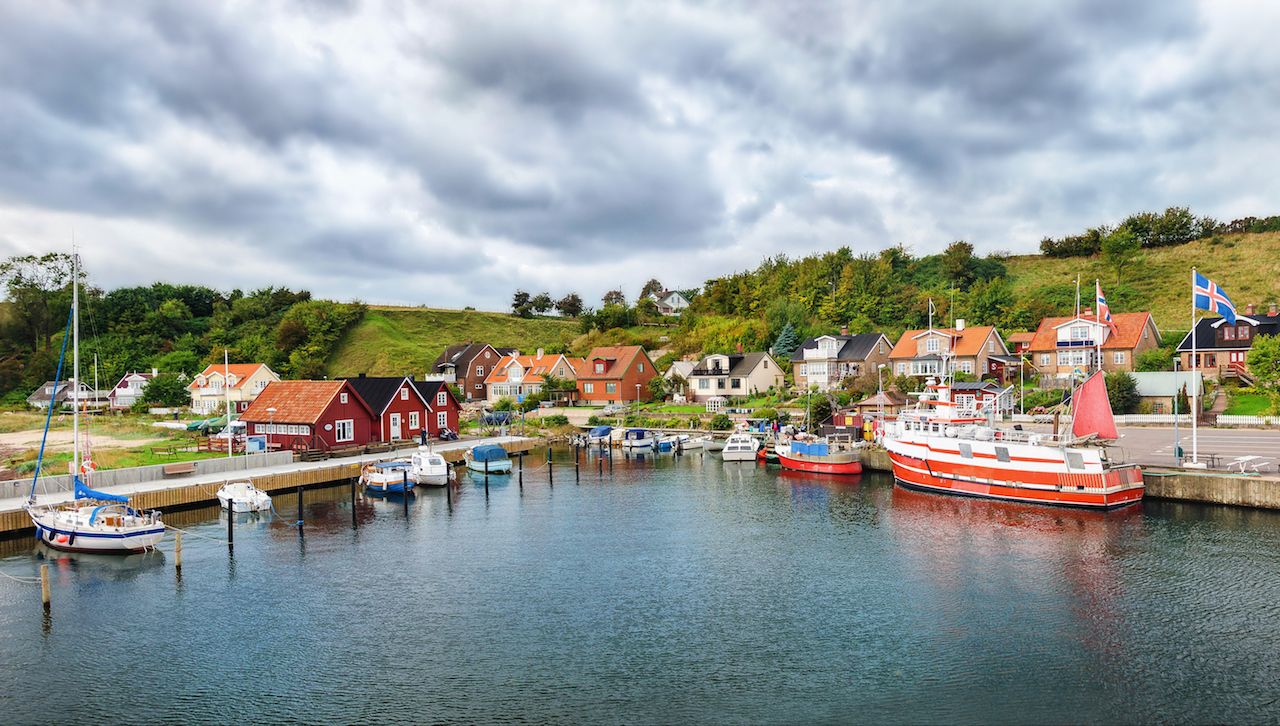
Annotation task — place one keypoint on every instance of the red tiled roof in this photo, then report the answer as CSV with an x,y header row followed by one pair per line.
x,y
1019,337
621,355
242,372
534,368
1128,333
296,401
970,342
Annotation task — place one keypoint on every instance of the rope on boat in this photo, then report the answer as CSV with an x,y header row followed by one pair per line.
x,y
24,580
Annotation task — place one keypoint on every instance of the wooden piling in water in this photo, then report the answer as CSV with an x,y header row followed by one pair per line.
x,y
177,551
299,511
404,485
44,587
354,524
231,520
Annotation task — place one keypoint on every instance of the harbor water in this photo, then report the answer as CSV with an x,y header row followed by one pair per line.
x,y
672,590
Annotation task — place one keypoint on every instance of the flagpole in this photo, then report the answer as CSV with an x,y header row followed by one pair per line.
x,y
1195,366
1097,319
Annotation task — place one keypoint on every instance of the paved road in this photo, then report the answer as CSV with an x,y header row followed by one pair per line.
x,y
1154,446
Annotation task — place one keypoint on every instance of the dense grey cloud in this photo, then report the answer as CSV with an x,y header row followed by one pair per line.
x,y
445,153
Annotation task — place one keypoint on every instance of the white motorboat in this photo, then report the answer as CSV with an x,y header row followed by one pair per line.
x,y
93,521
637,439
243,496
488,459
740,447
693,443
428,468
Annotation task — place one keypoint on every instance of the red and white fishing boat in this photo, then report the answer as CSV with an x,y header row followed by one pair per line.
x,y
938,448
830,456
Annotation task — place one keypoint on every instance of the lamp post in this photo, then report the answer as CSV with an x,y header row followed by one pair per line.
x,y
880,388
271,426
1177,448
637,396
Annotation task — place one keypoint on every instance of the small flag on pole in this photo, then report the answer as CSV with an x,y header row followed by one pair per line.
x,y
1104,310
1208,296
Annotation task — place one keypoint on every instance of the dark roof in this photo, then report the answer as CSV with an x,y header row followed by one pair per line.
x,y
463,353
429,389
1207,335
856,347
377,391
740,364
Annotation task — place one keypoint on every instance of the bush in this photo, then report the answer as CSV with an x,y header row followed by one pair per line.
x,y
1122,390
596,421
721,422
768,414
556,419
1039,398
1156,359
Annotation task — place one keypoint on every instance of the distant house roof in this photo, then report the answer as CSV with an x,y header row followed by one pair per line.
x,y
298,401
241,372
740,365
680,368
42,394
1207,332
889,397
429,389
975,386
1166,384
1126,336
535,369
966,342
463,353
1020,337
853,347
378,391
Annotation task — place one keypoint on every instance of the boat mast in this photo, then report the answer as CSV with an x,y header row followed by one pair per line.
x,y
226,390
75,361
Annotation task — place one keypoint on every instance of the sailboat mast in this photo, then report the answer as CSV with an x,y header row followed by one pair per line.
x,y
75,361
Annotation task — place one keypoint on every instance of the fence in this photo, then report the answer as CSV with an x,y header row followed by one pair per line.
x,y
1224,420
140,474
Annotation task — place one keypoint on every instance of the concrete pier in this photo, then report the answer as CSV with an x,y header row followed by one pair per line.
x,y
183,491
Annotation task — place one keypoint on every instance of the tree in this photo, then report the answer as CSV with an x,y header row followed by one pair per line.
x,y
1264,364
658,388
1122,391
1155,359
958,263
786,342
1121,249
570,305
182,362
520,301
652,287
166,389
614,297
35,287
541,302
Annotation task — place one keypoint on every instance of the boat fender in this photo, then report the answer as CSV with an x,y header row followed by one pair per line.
x,y
71,539
39,532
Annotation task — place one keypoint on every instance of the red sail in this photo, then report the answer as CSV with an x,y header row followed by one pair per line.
x,y
1091,410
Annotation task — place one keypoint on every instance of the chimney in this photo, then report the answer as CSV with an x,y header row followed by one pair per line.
x,y
361,375
539,356
959,325
844,329
1250,309
1086,312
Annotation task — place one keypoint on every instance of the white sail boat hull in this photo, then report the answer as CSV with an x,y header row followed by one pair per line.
x,y
77,530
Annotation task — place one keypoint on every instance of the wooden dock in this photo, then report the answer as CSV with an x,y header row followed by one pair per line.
x,y
188,491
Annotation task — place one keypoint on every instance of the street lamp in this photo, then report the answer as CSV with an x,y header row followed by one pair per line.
x,y
637,395
271,425
1177,448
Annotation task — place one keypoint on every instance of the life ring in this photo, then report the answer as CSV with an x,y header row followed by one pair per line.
x,y
87,466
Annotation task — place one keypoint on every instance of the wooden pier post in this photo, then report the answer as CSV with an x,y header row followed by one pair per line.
x,y
404,485
231,520
448,492
177,551
550,469
486,479
520,478
299,510
44,587
577,474
354,525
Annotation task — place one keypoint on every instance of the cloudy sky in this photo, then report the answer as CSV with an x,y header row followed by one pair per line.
x,y
447,153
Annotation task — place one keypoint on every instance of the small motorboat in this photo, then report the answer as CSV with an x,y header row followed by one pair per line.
x,y
488,459
243,496
599,436
387,477
674,442
740,447
637,439
692,443
830,456
428,468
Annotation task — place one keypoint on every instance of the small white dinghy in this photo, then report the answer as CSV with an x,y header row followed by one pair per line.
x,y
243,496
428,468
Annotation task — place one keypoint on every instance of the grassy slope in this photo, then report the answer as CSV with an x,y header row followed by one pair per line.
x,y
1247,266
395,341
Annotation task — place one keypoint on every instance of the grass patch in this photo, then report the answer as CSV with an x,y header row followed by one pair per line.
x,y
1248,404
396,341
56,463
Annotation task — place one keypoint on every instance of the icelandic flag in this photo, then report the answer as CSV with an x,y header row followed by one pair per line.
x,y
1104,310
1208,296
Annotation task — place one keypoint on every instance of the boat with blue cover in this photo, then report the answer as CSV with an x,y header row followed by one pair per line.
x,y
488,459
599,435
387,477
637,439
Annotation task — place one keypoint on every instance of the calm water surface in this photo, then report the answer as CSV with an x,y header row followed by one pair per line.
x,y
675,591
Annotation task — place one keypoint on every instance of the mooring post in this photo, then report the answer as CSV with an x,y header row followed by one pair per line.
x,y
577,474
600,465
486,480
520,478
231,520
404,485
177,551
44,587
353,503
448,493
299,510
550,469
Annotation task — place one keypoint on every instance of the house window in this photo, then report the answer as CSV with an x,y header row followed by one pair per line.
x,y
931,345
735,383
404,394
442,419
804,370
343,398
1044,359
991,345
720,382
1080,332
479,386
344,430
640,367
599,367
881,347
610,388
479,370
588,388
1228,333
902,369
442,398
704,384
1118,357
259,428
1244,332
965,366
413,419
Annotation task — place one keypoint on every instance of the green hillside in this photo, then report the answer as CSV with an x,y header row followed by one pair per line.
x,y
1246,265
395,341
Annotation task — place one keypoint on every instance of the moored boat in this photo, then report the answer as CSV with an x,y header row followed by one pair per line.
x,y
637,439
740,447
937,448
599,436
488,459
428,468
243,496
830,456
387,477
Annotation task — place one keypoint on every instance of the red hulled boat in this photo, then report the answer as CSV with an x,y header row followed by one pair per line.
x,y
820,457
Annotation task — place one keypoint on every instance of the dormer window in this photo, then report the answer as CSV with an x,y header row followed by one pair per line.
x,y
1228,332
599,367
931,345
231,380
1079,332
1244,332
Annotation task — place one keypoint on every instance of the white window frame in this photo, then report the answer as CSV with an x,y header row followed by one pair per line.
x,y
442,419
1117,357
349,424
588,388
414,420
931,345
1046,359
442,398
404,394
344,398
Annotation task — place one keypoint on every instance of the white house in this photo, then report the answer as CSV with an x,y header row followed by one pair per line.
x,y
740,374
670,302
239,382
129,390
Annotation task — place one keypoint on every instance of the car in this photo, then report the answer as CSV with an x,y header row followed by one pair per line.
x,y
613,409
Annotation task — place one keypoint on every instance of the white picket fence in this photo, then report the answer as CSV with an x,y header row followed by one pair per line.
x,y
1133,419
1225,420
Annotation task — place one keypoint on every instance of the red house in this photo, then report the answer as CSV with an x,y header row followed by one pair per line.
x,y
400,408
615,374
311,415
443,410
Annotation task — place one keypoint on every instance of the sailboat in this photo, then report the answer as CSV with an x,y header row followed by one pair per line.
x,y
93,521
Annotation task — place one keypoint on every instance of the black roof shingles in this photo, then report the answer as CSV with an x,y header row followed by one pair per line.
x,y
376,391
856,347
1207,335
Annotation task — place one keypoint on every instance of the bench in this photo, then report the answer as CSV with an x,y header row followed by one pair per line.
x,y
186,467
